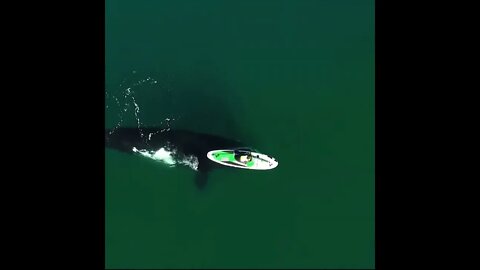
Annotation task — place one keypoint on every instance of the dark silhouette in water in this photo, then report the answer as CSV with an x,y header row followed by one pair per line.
x,y
185,143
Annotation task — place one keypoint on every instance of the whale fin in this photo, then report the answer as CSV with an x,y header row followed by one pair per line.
x,y
201,179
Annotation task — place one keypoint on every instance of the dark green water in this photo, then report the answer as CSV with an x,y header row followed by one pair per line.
x,y
294,79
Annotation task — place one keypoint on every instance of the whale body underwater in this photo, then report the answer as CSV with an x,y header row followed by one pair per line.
x,y
171,147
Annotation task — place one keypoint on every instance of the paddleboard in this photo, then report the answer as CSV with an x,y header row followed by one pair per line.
x,y
243,159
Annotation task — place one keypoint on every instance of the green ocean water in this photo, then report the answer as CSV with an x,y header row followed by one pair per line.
x,y
294,79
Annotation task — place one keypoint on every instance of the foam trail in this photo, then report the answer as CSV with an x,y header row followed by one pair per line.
x,y
167,157
161,155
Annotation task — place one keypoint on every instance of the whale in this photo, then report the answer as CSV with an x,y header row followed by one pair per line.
x,y
172,147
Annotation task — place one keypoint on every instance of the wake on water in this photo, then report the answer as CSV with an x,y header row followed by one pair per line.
x,y
125,100
168,157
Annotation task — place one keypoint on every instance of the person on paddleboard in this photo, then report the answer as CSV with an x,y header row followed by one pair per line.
x,y
243,157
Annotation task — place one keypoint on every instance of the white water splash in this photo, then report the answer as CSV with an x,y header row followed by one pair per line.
x,y
161,155
190,161
167,157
